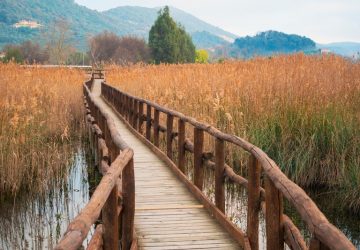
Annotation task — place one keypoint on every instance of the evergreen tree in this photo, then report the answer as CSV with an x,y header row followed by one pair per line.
x,y
169,42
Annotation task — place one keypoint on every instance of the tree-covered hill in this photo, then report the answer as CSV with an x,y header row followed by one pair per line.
x,y
271,42
85,22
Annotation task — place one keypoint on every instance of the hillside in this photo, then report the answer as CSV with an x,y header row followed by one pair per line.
x,y
85,22
269,43
349,49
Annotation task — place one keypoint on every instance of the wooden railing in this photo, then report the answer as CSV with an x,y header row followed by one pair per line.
x,y
97,74
269,198
112,205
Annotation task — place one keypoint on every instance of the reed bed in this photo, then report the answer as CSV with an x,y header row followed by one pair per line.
x,y
40,124
304,111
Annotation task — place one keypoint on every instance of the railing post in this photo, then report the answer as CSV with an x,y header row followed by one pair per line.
x,y
127,103
148,122
198,161
254,172
274,210
128,110
141,117
112,96
128,213
118,101
315,244
131,111
121,103
219,174
135,113
109,211
95,140
156,127
181,145
169,135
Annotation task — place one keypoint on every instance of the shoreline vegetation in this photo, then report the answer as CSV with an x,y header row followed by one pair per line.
x,y
303,111
40,127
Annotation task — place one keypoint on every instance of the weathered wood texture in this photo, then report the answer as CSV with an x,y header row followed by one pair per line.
x,y
277,184
254,171
165,211
109,148
96,242
169,211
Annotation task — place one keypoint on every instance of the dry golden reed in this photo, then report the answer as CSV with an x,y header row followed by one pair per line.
x,y
304,111
40,116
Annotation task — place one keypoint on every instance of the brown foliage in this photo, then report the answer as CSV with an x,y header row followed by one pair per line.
x,y
40,116
301,110
108,47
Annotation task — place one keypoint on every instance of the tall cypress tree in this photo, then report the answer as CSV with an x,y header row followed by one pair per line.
x,y
169,42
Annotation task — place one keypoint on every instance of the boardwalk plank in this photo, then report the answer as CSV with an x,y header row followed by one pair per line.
x,y
167,215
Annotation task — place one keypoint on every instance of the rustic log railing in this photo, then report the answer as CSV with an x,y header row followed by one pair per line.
x,y
97,74
279,227
112,205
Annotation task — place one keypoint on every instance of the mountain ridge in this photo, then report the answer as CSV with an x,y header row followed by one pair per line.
x,y
84,22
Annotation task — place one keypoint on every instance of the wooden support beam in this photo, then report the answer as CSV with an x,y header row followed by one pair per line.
x,y
109,212
219,174
156,127
273,216
315,244
135,110
198,162
148,122
96,242
128,214
169,136
181,145
254,172
141,117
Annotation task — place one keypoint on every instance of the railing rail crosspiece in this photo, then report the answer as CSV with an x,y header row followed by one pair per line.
x,y
268,199
116,209
116,158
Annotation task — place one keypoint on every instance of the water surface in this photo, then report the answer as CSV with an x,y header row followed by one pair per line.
x,y
39,223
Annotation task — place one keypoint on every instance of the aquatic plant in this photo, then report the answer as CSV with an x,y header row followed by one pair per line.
x,y
40,123
302,110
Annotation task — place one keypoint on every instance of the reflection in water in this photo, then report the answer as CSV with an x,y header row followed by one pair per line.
x,y
236,209
39,223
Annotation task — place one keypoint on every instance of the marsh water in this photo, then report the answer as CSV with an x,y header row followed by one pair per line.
x,y
39,223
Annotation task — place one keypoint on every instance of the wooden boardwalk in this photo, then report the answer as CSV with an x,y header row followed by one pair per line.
x,y
144,199
167,215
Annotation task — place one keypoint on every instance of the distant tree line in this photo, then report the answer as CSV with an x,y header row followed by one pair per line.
x,y
107,47
270,42
168,43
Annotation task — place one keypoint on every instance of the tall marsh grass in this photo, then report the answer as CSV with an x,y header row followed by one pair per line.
x,y
40,121
304,111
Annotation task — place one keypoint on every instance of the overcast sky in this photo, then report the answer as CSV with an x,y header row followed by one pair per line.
x,y
322,20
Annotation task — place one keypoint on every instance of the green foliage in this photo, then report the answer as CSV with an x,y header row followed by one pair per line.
x,y
202,56
169,42
271,42
13,54
85,23
78,58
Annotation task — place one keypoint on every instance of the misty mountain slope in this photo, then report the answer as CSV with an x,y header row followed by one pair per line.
x,y
350,49
85,22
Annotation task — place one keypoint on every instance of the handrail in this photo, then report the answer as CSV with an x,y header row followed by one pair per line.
x,y
80,226
324,234
114,198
